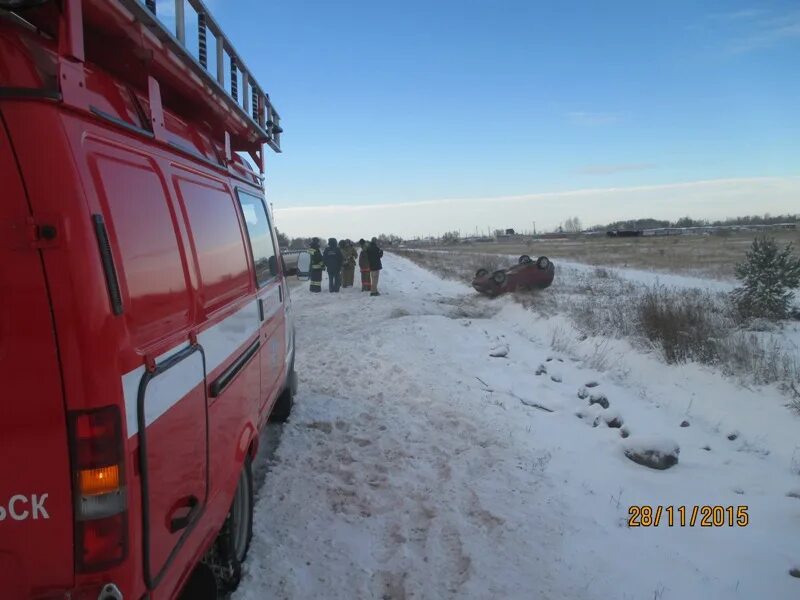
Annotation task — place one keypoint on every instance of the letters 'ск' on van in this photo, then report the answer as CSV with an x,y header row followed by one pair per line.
x,y
145,324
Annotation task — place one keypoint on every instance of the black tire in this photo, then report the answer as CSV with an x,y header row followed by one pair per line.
x,y
202,584
499,277
234,538
285,402
481,273
543,262
525,259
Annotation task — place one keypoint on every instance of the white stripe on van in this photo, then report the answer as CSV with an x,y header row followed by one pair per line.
x,y
227,336
163,392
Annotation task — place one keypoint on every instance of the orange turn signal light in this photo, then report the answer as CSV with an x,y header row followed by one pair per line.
x,y
94,482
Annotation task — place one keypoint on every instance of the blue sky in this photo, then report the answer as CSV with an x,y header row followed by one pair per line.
x,y
423,100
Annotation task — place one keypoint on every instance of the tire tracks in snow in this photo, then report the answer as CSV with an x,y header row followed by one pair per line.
x,y
386,483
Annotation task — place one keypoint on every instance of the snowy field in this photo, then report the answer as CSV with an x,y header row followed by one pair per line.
x,y
417,465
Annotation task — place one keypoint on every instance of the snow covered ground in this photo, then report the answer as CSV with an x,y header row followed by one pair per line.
x,y
416,465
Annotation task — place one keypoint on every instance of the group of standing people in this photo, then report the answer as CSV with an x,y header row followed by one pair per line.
x,y
340,260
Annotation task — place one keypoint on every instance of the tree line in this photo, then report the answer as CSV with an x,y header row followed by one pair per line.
x,y
300,243
687,221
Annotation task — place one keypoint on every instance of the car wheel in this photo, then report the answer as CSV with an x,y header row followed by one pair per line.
x,y
285,402
233,540
481,273
525,259
499,277
543,262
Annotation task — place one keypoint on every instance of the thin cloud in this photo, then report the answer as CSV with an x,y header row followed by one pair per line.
x,y
704,199
754,29
611,169
740,15
593,119
769,32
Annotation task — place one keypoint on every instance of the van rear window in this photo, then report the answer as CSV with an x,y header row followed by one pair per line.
x,y
218,241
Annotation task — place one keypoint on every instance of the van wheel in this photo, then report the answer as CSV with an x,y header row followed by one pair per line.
x,y
233,540
525,259
285,402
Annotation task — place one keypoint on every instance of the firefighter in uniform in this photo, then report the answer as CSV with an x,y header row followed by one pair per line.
x,y
374,255
315,276
363,266
350,259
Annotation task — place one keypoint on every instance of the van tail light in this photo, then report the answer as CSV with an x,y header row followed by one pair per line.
x,y
98,471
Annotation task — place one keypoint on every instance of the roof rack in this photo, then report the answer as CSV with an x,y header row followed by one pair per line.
x,y
161,57
251,102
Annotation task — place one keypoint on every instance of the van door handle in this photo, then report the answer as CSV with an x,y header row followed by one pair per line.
x,y
260,309
191,505
280,293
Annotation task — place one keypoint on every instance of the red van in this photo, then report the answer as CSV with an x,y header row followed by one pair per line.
x,y
145,321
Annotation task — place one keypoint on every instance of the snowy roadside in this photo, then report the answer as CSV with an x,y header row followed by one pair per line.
x,y
681,318
414,465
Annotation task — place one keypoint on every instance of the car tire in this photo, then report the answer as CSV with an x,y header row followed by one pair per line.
x,y
285,402
499,277
543,262
234,538
525,259
481,273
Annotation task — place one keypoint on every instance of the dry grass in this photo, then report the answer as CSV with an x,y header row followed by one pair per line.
x,y
708,256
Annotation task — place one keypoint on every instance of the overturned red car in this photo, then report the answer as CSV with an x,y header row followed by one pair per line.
x,y
527,275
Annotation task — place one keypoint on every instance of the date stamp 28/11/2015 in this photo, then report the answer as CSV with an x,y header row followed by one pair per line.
x,y
644,515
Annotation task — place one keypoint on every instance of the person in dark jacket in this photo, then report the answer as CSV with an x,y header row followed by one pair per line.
x,y
315,276
333,259
374,254
363,266
350,258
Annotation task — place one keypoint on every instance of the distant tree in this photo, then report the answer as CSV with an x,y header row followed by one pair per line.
x,y
283,240
759,220
572,225
689,222
299,243
450,237
638,224
389,240
769,275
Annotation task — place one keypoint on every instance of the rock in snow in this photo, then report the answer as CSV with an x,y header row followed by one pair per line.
x,y
599,399
499,351
656,453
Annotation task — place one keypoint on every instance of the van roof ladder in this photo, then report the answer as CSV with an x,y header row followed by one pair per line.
x,y
224,94
253,104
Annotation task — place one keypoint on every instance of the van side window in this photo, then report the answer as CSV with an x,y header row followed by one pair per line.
x,y
260,232
143,229
218,240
